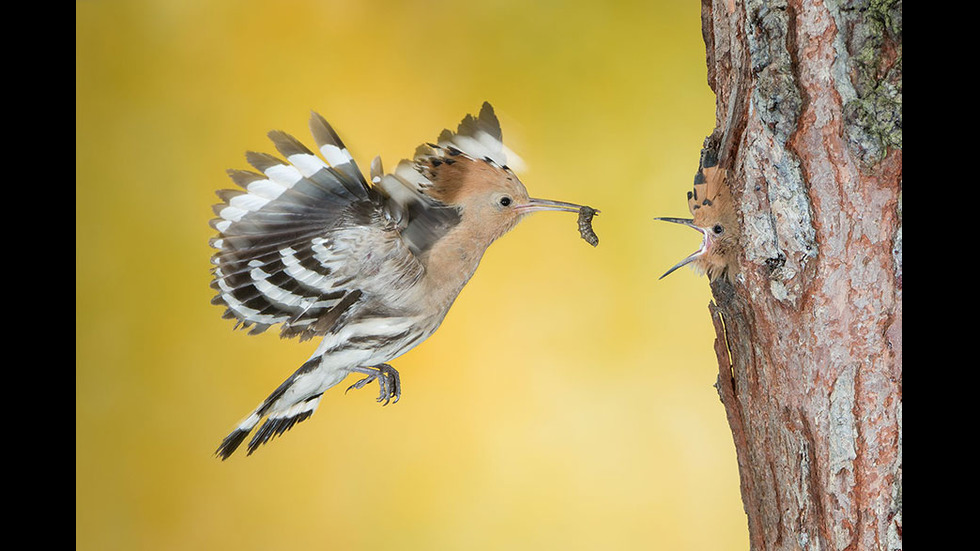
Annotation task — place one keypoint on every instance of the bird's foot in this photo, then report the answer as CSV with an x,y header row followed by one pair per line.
x,y
388,380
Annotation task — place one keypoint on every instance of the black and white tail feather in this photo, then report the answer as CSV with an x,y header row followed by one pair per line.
x,y
297,246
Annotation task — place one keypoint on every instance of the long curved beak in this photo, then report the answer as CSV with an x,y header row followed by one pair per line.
x,y
535,205
696,254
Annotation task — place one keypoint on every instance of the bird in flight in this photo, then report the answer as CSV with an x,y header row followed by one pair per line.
x,y
370,268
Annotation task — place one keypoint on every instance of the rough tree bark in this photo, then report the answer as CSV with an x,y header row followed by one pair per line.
x,y
809,333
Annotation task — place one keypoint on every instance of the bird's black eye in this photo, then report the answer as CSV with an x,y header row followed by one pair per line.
x,y
505,201
717,229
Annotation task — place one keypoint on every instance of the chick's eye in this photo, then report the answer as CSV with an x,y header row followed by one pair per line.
x,y
505,201
717,229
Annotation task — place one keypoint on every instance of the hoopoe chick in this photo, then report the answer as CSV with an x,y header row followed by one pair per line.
x,y
372,268
713,214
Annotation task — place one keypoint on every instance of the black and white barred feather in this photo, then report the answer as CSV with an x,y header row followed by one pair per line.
x,y
275,262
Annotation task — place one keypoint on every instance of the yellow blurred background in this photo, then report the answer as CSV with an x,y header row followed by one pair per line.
x,y
567,402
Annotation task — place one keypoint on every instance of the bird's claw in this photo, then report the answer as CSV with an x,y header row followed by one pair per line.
x,y
388,380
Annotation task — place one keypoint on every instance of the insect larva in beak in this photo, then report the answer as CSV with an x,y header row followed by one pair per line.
x,y
585,215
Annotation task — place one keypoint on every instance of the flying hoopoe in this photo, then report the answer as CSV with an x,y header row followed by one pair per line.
x,y
372,268
713,212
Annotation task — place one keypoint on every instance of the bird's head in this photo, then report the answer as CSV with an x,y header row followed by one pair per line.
x,y
468,171
489,195
713,215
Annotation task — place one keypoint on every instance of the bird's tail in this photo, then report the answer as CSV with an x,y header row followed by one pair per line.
x,y
293,401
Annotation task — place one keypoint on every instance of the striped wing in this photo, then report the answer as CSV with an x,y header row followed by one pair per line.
x,y
290,240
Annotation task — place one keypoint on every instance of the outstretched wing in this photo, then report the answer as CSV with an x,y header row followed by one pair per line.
x,y
291,240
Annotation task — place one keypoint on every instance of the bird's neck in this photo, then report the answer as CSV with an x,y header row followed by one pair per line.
x,y
451,262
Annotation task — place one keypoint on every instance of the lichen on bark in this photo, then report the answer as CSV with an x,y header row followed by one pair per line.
x,y
873,112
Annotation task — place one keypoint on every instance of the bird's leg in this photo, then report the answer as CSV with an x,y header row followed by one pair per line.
x,y
388,380
391,385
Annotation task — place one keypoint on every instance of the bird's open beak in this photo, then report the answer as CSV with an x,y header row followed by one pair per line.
x,y
535,205
696,254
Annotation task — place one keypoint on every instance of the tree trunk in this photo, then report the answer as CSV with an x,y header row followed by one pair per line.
x,y
809,332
